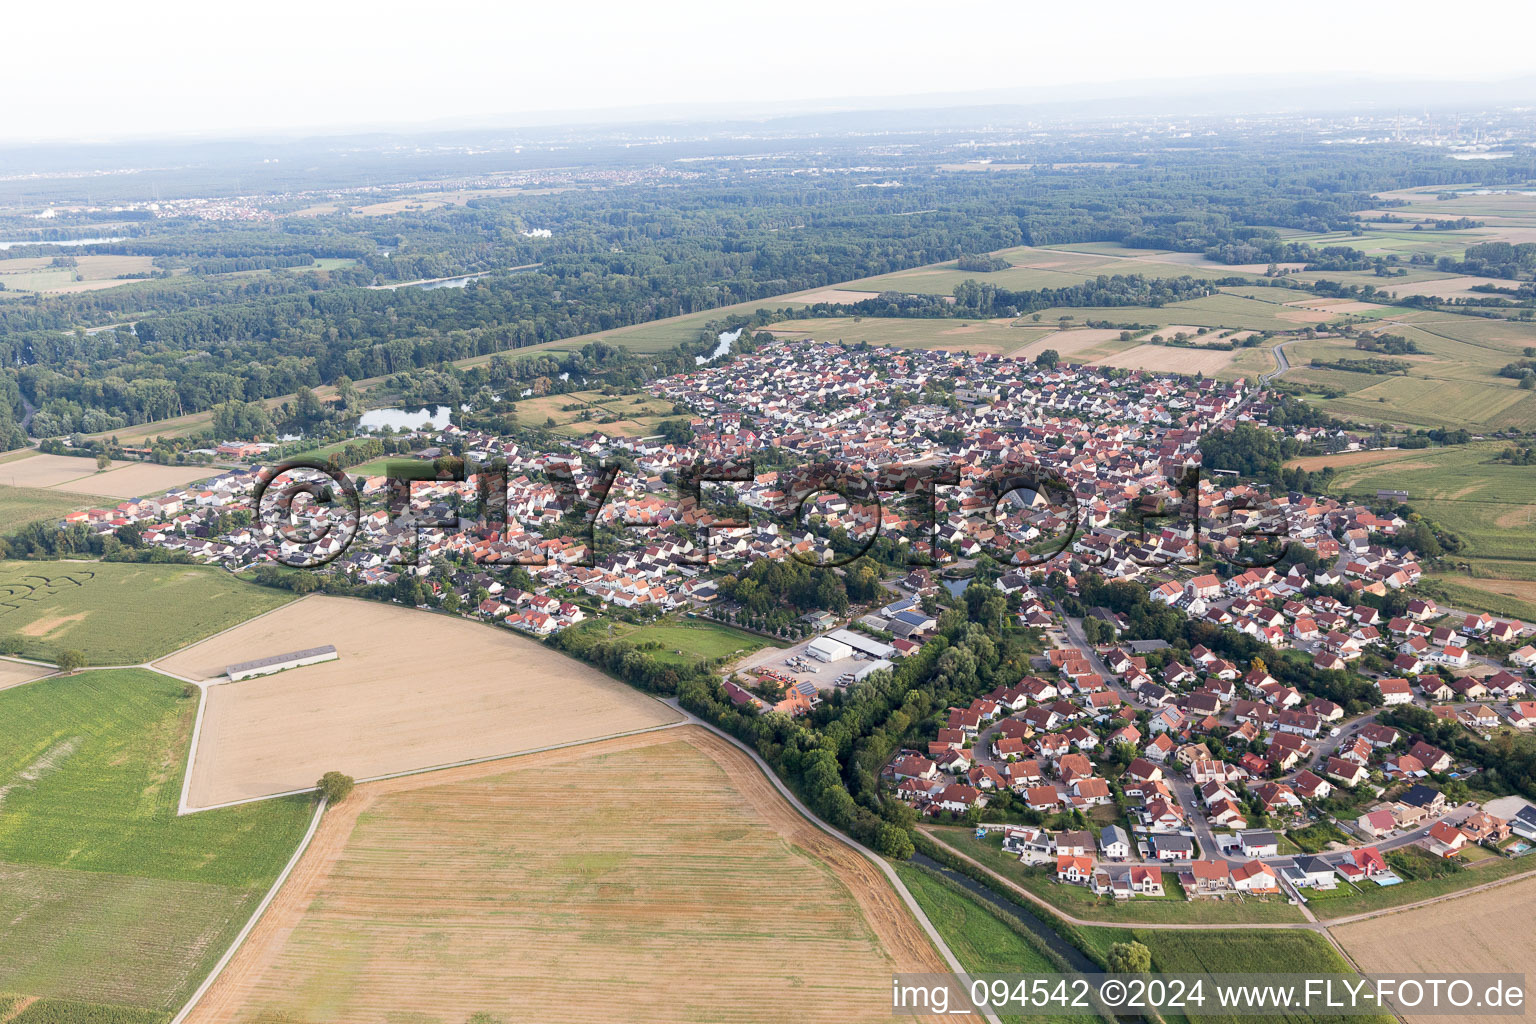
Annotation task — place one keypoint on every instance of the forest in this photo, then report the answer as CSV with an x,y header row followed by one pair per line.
x,y
240,312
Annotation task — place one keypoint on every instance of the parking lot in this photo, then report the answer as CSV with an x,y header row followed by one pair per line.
x,y
795,664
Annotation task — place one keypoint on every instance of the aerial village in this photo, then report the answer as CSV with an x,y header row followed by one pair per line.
x,y
1143,766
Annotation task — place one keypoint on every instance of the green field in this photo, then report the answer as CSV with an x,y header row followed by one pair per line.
x,y
1373,897
686,641
1079,902
1452,382
979,939
108,896
1043,268
1504,598
1270,951
22,505
983,944
121,613
578,413
1490,504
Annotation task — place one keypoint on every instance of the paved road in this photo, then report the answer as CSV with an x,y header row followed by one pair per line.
x,y
1184,790
1285,364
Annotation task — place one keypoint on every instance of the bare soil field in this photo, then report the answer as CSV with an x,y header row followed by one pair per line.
x,y
1343,459
14,673
410,690
1170,359
79,476
47,470
652,878
1068,344
133,479
1486,932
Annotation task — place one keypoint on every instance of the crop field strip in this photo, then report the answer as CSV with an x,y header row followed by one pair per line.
x,y
555,879
1490,504
110,897
121,613
409,691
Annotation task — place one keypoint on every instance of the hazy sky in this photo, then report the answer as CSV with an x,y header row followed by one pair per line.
x,y
94,69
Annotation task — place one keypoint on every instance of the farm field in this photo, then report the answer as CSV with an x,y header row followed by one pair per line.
x,y
1345,460
685,641
1236,952
22,505
1484,932
1508,598
121,613
1000,336
14,673
629,872
1453,382
632,414
1375,897
107,895
1042,268
35,273
1174,359
1492,505
410,690
1224,309
72,475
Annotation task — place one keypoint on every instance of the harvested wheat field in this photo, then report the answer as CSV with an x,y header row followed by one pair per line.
x,y
835,296
47,470
1485,932
133,479
648,878
1170,359
410,690
1069,343
1343,459
79,476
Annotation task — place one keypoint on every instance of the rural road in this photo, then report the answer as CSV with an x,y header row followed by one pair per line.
x,y
1285,364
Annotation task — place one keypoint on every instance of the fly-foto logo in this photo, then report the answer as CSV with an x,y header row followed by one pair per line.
x,y
314,511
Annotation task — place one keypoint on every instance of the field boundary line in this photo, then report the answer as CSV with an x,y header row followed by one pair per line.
x,y
432,768
1403,908
197,733
227,629
805,812
250,924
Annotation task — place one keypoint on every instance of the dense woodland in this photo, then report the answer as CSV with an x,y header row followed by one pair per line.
x,y
232,313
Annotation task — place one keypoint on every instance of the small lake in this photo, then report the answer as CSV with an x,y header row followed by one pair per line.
x,y
726,339
432,417
956,587
66,241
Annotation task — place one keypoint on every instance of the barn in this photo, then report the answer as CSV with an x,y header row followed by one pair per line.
x,y
279,662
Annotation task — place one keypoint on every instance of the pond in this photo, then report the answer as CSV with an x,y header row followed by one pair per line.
x,y
432,417
726,339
